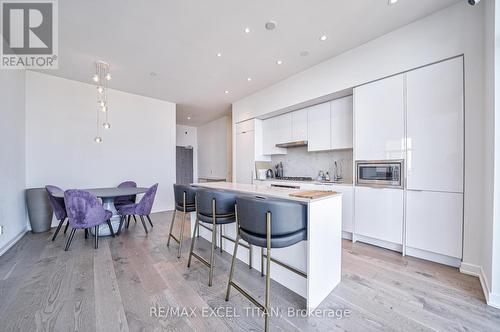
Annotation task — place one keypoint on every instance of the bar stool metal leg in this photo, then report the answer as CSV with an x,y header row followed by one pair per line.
x,y
196,230
214,238
261,261
220,237
181,237
235,251
268,274
171,227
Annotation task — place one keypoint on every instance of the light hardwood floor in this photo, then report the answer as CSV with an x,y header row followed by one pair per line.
x,y
43,288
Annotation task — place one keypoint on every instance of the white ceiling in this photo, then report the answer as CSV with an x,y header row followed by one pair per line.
x,y
179,41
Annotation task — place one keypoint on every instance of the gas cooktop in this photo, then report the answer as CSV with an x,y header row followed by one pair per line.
x,y
295,178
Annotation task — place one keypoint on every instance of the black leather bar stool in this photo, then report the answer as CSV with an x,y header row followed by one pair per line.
x,y
268,223
214,207
185,203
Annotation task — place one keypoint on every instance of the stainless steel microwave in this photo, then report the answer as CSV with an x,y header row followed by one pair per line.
x,y
380,173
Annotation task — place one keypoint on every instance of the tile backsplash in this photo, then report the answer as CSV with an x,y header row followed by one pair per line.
x,y
299,162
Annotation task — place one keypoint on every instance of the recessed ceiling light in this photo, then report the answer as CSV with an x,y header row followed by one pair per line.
x,y
323,38
304,53
392,2
247,30
152,74
226,92
219,54
271,25
249,79
279,62
189,118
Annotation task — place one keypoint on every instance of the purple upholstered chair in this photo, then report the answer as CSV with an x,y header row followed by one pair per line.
x,y
85,211
58,207
126,200
142,209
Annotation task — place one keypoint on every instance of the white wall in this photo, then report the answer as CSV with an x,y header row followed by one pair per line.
x,y
187,137
493,96
453,31
60,131
212,149
12,160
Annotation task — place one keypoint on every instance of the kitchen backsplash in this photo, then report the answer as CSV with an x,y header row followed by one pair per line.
x,y
299,162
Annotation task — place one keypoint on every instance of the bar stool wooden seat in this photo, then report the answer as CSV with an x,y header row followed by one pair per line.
x,y
214,207
267,223
184,203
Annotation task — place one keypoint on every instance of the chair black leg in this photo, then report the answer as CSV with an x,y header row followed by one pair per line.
x,y
122,220
96,231
128,221
149,219
57,229
111,227
134,218
86,233
68,243
144,224
66,228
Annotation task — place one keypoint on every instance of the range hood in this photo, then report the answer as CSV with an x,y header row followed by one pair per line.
x,y
291,144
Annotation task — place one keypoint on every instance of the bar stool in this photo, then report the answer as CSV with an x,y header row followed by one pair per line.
x,y
217,208
268,223
185,203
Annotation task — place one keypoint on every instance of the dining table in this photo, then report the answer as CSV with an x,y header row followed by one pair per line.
x,y
108,196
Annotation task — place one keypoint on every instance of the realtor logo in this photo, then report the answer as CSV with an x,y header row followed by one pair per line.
x,y
29,33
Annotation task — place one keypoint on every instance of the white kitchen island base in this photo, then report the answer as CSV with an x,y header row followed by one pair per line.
x,y
319,256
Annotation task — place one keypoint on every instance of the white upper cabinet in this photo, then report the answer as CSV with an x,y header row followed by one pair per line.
x,y
299,125
379,120
318,127
341,123
276,130
435,127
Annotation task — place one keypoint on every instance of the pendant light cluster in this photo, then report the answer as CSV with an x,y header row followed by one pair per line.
x,y
101,78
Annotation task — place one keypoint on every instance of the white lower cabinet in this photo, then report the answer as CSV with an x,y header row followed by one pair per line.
x,y
347,207
379,213
434,222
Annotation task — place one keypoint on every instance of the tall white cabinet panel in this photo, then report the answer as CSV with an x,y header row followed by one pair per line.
x,y
435,127
274,131
379,119
341,123
318,127
283,128
434,222
299,125
245,152
379,213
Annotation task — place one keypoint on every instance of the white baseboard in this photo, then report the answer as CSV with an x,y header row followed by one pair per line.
x,y
13,241
492,299
377,242
433,257
347,235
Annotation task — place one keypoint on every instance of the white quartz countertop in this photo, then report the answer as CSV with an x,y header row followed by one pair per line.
x,y
326,183
260,190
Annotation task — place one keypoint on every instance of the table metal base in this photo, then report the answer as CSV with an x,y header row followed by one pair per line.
x,y
108,204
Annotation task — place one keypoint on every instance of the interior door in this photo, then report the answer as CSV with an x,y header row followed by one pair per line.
x,y
184,165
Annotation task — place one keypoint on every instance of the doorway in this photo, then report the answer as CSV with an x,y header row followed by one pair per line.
x,y
184,165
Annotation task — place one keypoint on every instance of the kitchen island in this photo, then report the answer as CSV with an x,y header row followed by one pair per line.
x,y
319,257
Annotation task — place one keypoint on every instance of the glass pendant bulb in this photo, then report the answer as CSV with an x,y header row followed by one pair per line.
x,y
95,78
106,125
108,76
98,139
100,89
104,109
101,103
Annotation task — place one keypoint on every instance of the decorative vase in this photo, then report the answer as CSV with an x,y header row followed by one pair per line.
x,y
39,209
